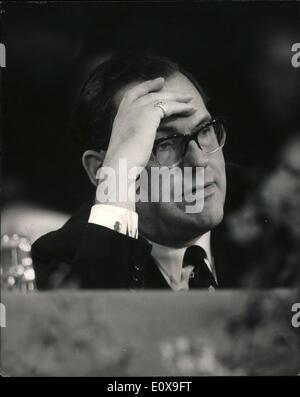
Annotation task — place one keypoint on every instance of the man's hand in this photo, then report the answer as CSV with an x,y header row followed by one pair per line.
x,y
136,123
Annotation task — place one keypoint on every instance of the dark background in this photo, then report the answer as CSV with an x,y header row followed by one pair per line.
x,y
240,52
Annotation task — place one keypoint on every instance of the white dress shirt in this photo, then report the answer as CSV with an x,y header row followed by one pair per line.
x,y
169,260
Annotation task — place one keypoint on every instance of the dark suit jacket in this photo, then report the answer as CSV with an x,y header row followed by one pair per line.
x,y
93,256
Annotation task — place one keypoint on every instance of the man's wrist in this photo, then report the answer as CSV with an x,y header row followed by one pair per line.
x,y
115,189
126,205
115,218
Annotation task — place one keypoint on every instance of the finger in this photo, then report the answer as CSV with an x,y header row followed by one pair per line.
x,y
153,97
143,88
172,108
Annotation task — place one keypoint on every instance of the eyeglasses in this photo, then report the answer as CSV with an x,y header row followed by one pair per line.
x,y
170,151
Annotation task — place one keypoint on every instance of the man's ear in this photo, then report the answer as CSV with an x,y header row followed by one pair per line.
x,y
92,161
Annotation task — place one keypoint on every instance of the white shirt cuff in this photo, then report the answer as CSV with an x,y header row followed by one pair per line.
x,y
115,218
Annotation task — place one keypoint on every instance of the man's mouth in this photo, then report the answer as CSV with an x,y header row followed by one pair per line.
x,y
207,185
209,189
206,190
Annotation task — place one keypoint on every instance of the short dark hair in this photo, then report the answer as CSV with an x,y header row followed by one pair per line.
x,y
93,112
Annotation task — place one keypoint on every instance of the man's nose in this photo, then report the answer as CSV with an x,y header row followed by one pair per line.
x,y
194,156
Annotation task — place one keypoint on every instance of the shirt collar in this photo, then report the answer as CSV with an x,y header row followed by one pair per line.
x,y
170,259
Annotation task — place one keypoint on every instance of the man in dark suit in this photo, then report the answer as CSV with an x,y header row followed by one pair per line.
x,y
145,110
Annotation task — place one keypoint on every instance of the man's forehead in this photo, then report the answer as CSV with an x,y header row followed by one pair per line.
x,y
181,84
177,83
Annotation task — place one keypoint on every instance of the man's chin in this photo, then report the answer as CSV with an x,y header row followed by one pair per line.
x,y
204,221
208,222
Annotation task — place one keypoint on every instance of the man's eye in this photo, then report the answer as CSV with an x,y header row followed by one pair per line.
x,y
166,145
205,131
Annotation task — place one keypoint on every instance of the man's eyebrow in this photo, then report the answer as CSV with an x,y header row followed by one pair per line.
x,y
205,120
170,129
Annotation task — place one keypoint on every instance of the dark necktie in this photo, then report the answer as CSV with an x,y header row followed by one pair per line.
x,y
201,276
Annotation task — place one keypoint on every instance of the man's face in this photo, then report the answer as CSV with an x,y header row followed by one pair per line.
x,y
169,223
